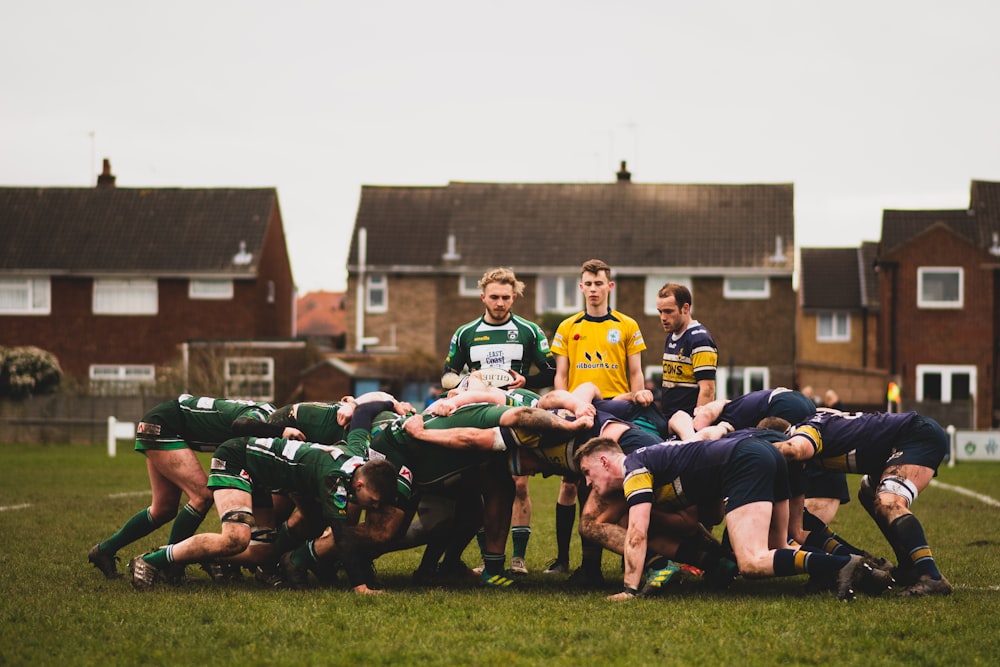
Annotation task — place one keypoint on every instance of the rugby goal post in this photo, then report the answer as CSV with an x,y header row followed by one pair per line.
x,y
118,431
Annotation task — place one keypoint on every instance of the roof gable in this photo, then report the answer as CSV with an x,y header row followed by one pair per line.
x,y
899,228
838,278
162,231
560,225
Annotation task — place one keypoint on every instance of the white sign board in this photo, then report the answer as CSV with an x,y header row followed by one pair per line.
x,y
977,446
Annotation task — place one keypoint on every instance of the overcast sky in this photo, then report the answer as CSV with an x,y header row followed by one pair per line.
x,y
863,105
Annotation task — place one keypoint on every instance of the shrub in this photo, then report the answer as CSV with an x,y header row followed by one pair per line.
x,y
26,371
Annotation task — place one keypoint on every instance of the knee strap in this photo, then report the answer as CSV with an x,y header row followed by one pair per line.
x,y
899,486
264,535
242,515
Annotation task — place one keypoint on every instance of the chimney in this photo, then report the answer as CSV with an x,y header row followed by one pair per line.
x,y
106,179
624,175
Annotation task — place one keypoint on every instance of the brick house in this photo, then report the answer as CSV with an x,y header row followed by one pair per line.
x,y
940,308
130,286
417,253
837,325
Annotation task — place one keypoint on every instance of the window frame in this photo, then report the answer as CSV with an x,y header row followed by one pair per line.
x,y
234,381
32,287
924,302
151,285
729,291
562,306
225,289
376,283
653,284
463,287
833,337
747,373
946,371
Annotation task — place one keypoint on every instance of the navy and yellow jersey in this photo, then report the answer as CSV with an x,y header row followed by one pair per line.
x,y
598,349
317,420
555,450
201,422
747,410
859,442
516,345
687,358
674,476
321,473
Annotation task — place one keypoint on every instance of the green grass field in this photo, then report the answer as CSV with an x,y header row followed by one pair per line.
x,y
55,609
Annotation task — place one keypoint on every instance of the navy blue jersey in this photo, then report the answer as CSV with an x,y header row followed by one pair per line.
x,y
855,442
747,410
675,476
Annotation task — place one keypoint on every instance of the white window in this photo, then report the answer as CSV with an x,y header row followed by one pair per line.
x,y
210,289
468,285
25,296
739,380
944,383
746,287
251,378
377,293
120,380
833,327
653,284
125,297
559,294
940,287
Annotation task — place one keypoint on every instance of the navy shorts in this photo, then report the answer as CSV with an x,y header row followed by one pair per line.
x,y
756,472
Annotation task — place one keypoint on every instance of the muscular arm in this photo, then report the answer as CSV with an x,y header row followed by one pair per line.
x,y
636,538
561,380
462,437
637,381
578,401
706,391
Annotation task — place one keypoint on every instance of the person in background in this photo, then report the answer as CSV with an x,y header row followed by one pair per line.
x,y
501,339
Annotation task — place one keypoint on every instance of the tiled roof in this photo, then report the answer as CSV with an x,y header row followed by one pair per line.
x,y
558,226
838,278
320,314
899,227
979,224
163,231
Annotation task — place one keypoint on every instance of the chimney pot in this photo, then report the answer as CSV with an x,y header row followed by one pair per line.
x,y
624,175
106,179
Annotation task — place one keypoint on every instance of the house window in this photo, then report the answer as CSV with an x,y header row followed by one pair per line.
x,y
251,378
125,297
940,287
468,285
377,293
738,380
120,380
947,384
210,289
833,327
653,284
746,287
559,294
25,296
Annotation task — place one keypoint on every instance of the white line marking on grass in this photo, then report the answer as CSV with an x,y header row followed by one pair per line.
x,y
966,492
4,508
128,494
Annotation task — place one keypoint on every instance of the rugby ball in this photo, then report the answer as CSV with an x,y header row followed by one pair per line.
x,y
496,377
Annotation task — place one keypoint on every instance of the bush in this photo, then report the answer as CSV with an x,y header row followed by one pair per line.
x,y
26,371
